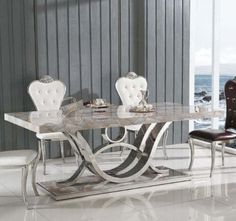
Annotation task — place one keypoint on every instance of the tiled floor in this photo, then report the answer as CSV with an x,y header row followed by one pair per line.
x,y
200,199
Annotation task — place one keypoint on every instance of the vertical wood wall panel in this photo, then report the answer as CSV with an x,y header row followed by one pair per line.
x,y
185,62
89,44
30,72
6,44
151,49
178,33
95,59
160,50
169,54
18,68
1,86
133,30
74,48
42,40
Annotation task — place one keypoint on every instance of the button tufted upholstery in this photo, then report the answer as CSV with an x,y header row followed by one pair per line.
x,y
128,89
47,96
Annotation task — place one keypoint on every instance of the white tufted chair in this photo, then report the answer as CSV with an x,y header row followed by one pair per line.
x,y
129,88
47,95
21,159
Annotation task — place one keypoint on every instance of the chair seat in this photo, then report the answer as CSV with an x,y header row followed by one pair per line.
x,y
212,135
17,157
134,127
57,136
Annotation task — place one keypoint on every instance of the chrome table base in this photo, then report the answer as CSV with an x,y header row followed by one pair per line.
x,y
135,171
94,185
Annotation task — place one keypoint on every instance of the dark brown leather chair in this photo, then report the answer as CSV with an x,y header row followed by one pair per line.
x,y
218,136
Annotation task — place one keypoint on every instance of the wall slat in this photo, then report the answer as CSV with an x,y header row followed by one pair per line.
x,y
185,62
151,49
169,54
178,33
6,45
160,50
95,29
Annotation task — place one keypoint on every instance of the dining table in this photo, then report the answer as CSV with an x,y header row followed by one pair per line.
x,y
136,170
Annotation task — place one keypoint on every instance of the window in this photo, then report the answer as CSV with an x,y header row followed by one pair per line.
x,y
213,55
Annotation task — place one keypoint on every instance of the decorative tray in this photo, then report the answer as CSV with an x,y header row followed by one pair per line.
x,y
142,109
97,103
98,106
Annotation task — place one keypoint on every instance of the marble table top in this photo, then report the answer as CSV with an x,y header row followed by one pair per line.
x,y
84,118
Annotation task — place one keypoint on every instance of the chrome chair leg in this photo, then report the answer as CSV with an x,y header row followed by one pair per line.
x,y
223,154
43,148
24,183
34,169
125,141
62,151
164,141
192,152
213,151
77,159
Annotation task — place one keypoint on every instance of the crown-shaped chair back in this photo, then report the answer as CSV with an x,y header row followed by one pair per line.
x,y
129,88
230,95
47,93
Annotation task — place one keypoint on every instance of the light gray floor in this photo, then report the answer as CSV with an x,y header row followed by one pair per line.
x,y
201,199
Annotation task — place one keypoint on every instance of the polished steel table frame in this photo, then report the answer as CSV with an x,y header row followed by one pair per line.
x,y
136,171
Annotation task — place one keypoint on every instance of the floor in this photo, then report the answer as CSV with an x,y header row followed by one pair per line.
x,y
200,199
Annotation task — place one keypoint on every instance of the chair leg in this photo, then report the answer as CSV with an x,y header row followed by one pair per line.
x,y
34,169
213,151
43,148
62,151
164,141
192,152
77,159
223,154
126,141
24,183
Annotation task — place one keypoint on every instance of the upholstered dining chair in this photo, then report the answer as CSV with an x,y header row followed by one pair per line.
x,y
21,159
129,90
220,136
47,95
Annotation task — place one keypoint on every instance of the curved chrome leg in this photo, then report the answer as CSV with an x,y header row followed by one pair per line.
x,y
213,151
119,139
62,151
223,154
135,164
43,148
34,170
24,183
164,141
192,152
73,179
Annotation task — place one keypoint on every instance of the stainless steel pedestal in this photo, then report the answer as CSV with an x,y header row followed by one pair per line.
x,y
93,185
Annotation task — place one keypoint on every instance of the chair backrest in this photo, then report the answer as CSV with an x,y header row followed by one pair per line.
x,y
230,96
47,93
129,88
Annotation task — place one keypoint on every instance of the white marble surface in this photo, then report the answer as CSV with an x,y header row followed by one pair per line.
x,y
202,199
84,118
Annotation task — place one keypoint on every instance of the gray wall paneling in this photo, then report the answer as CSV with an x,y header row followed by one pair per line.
x,y
185,62
89,44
